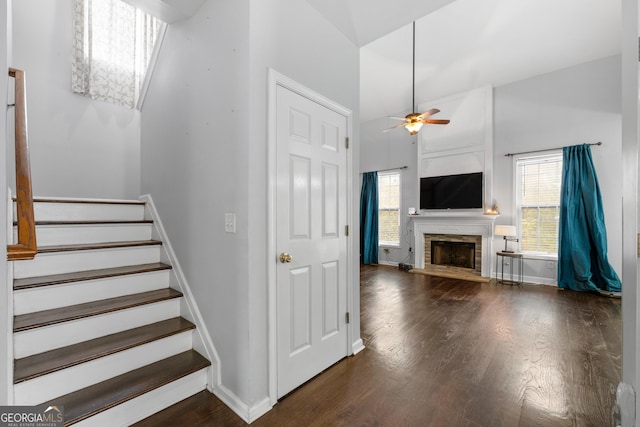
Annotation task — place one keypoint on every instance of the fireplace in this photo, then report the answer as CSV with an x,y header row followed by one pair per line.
x,y
466,227
454,254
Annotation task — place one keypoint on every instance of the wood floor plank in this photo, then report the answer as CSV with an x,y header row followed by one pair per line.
x,y
89,401
78,276
51,361
446,352
58,315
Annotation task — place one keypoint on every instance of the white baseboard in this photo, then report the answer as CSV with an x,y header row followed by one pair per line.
x,y
237,405
391,263
357,347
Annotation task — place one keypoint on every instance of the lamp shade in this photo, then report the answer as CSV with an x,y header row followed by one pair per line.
x,y
505,230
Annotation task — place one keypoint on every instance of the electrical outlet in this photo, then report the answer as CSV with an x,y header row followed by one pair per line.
x,y
410,249
551,265
230,223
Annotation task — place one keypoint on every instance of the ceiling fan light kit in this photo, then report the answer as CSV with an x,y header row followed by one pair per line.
x,y
413,122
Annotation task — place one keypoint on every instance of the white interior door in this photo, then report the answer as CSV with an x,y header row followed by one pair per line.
x,y
311,214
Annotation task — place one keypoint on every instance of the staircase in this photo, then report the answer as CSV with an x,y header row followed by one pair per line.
x,y
98,317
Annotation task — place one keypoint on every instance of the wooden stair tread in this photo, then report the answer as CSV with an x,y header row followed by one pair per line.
x,y
90,201
94,222
95,246
94,399
78,276
85,201
54,316
40,364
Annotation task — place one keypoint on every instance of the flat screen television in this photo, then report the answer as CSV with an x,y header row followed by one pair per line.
x,y
463,191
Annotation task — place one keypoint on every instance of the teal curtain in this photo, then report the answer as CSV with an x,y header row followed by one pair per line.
x,y
369,218
582,242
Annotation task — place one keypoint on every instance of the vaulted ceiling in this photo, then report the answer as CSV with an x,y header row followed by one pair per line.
x,y
464,44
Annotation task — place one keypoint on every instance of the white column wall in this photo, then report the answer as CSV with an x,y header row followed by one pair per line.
x,y
204,145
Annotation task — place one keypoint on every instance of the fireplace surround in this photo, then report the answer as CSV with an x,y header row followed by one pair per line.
x,y
474,227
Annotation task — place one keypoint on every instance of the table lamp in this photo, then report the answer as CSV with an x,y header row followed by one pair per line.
x,y
509,232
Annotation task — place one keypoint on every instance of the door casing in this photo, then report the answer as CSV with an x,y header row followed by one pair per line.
x,y
276,79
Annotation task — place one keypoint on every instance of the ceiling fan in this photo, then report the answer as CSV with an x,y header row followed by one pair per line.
x,y
414,121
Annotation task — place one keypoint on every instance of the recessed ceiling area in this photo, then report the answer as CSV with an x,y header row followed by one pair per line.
x,y
364,21
466,44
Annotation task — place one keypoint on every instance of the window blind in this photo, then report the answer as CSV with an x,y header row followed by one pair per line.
x,y
538,202
389,208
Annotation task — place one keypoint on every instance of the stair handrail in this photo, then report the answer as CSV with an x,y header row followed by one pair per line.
x,y
26,247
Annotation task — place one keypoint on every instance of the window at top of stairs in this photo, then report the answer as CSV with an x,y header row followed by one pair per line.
x,y
114,47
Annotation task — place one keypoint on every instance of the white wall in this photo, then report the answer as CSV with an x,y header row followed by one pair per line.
x,y
629,402
195,165
6,333
79,147
393,149
572,106
204,133
576,105
295,40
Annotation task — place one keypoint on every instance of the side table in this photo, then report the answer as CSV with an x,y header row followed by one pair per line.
x,y
513,257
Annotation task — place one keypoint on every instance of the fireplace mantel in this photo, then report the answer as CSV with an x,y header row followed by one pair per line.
x,y
447,222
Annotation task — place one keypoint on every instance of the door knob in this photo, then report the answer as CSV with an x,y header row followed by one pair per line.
x,y
285,257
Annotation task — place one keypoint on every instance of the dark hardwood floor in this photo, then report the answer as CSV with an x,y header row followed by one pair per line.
x,y
446,352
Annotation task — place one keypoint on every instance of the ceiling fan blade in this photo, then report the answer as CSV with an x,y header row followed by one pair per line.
x,y
396,126
437,122
397,118
429,113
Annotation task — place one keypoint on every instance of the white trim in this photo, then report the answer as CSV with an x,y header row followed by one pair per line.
x,y
8,369
455,223
274,80
543,257
483,147
202,333
142,95
392,172
214,375
357,346
389,263
540,281
237,405
626,398
551,155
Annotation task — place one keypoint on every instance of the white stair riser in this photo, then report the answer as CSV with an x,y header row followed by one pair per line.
x,y
67,262
55,296
85,212
27,343
50,235
149,403
47,387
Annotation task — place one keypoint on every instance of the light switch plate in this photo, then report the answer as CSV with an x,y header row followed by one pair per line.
x,y
230,223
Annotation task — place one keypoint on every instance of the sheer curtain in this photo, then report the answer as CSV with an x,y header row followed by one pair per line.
x,y
112,45
582,258
369,218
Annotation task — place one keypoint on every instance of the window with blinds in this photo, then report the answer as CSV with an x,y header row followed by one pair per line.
x,y
389,208
538,181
